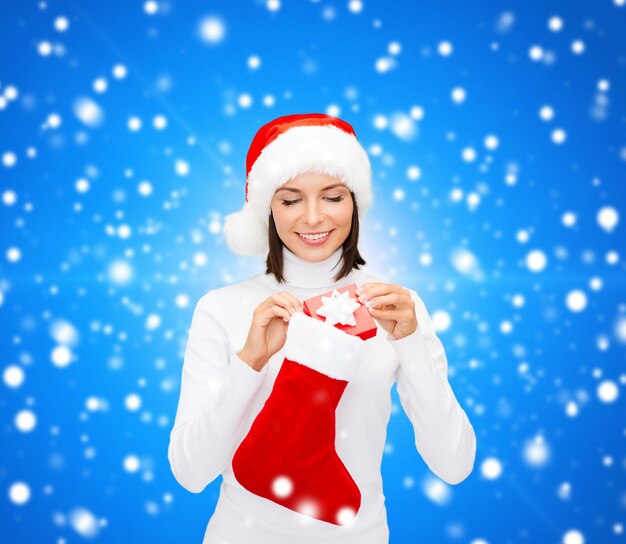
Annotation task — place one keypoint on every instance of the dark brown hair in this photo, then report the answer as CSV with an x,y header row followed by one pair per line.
x,y
350,256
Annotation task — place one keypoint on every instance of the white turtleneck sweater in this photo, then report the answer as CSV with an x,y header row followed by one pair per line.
x,y
221,396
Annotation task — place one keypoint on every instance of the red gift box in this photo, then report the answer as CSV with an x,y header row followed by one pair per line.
x,y
365,326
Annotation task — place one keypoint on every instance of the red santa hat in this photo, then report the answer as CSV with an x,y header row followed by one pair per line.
x,y
284,148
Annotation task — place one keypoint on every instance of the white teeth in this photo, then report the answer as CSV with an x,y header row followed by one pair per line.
x,y
314,236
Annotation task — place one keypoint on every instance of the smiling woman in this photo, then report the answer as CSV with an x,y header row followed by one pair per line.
x,y
294,415
318,220
313,215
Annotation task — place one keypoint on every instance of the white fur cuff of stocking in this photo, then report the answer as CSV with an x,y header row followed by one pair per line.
x,y
323,347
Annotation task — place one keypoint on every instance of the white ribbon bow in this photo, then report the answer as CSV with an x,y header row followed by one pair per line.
x,y
339,308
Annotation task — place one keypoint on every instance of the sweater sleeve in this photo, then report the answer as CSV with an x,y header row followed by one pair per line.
x,y
216,390
444,437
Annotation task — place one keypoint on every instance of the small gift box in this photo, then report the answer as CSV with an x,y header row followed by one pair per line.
x,y
341,308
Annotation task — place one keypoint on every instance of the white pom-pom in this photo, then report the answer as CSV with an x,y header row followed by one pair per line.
x,y
245,233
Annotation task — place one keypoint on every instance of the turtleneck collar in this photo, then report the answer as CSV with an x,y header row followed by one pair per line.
x,y
312,275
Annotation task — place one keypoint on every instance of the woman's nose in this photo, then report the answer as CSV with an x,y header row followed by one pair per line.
x,y
312,213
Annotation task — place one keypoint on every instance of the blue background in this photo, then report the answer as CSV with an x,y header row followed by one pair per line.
x,y
541,381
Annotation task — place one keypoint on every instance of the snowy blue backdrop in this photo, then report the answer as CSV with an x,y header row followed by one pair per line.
x,y
497,139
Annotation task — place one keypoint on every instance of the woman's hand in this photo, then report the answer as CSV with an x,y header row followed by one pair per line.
x,y
391,305
268,331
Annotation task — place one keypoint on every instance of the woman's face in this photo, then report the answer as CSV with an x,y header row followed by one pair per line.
x,y
311,204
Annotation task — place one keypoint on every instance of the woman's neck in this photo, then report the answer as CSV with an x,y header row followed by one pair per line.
x,y
304,274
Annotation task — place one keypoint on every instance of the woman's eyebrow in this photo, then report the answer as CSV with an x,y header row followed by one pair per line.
x,y
293,190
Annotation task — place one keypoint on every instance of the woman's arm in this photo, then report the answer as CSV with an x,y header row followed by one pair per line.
x,y
216,389
444,437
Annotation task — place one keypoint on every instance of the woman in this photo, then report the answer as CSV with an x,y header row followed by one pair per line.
x,y
254,361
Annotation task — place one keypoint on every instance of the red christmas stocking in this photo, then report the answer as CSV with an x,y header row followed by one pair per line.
x,y
289,456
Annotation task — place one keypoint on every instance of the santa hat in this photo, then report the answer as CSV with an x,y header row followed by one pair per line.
x,y
284,148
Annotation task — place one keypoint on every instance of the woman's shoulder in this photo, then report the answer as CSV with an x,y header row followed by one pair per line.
x,y
224,296
364,276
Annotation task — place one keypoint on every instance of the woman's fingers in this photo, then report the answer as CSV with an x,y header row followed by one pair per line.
x,y
392,300
279,304
279,311
286,300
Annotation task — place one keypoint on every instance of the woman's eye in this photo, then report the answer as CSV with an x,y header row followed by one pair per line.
x,y
331,198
